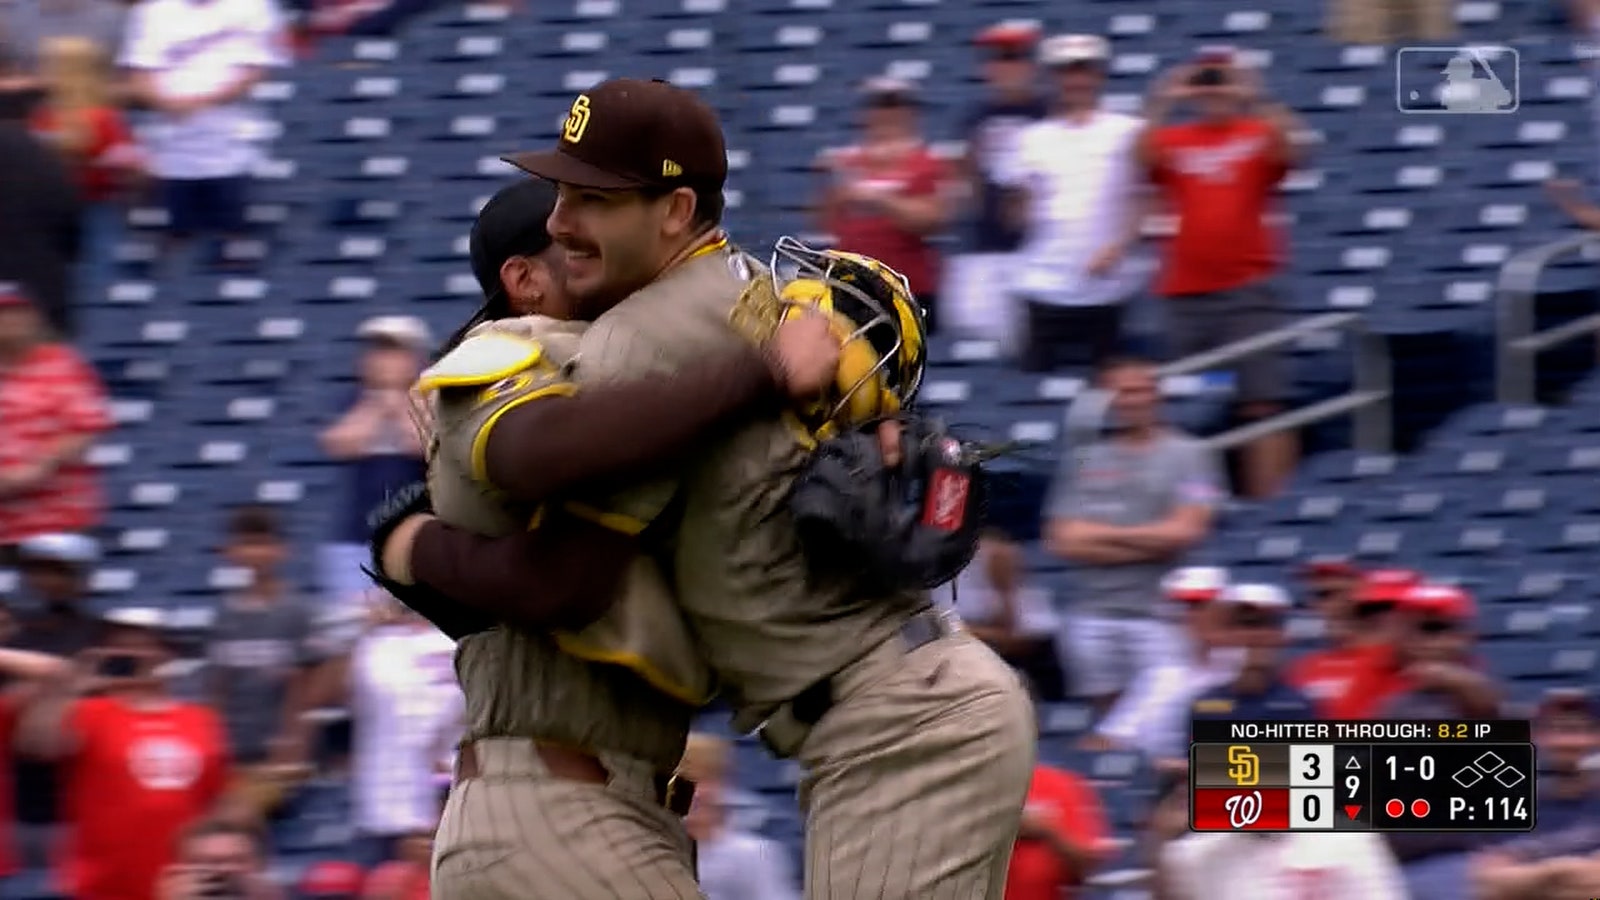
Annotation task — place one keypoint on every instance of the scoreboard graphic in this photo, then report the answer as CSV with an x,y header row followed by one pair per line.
x,y
1362,776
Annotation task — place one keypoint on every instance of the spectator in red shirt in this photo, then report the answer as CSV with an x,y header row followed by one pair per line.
x,y
405,878
139,766
1331,583
886,196
1362,634
52,406
78,119
1218,175
1064,837
1440,676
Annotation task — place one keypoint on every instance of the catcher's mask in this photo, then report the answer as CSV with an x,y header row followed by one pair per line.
x,y
882,333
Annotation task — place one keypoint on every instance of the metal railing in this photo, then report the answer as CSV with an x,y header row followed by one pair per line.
x,y
1368,402
1517,345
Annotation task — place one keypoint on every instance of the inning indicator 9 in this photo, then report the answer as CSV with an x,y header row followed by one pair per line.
x,y
1385,783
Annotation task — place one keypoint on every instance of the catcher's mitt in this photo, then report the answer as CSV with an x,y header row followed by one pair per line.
x,y
455,620
913,527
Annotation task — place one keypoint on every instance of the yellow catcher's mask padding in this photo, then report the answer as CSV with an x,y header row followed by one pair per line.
x,y
858,360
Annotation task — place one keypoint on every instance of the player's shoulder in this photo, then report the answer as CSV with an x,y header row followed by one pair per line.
x,y
677,319
496,351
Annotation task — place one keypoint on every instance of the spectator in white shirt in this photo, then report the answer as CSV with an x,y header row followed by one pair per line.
x,y
194,63
1245,866
978,304
1082,211
1153,714
1016,619
406,709
732,864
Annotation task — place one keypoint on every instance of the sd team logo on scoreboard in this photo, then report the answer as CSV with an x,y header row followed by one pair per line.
x,y
1244,767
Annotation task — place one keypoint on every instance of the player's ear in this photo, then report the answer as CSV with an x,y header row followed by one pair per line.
x,y
679,212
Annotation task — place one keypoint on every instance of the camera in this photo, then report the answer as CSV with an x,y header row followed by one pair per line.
x,y
1211,76
220,886
119,665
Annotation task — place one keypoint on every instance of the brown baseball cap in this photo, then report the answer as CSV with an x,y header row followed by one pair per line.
x,y
627,133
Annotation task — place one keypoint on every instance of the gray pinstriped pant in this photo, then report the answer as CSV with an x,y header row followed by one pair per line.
x,y
516,832
915,782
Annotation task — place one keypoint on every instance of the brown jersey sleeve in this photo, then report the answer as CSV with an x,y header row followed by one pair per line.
x,y
611,433
563,574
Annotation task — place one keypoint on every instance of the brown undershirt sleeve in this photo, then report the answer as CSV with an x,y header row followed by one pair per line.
x,y
613,431
563,574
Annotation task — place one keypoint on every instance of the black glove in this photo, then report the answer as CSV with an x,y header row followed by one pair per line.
x,y
913,527
455,620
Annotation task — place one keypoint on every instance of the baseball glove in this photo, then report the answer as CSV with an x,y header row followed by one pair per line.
x,y
912,527
446,615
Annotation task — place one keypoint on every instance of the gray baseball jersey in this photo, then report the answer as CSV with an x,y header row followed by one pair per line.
x,y
916,777
515,826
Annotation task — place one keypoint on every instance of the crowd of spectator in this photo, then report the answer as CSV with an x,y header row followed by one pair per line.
x,y
122,719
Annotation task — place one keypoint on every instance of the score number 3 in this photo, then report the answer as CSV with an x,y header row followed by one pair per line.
x,y
1423,768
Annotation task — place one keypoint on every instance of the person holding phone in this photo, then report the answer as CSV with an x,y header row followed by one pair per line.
x,y
1219,175
139,766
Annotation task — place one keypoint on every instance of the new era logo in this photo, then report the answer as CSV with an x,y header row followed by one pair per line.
x,y
670,169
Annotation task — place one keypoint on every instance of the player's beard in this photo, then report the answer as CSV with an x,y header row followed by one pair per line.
x,y
611,279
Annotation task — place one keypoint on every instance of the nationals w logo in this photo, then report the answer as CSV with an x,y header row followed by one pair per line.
x,y
1243,809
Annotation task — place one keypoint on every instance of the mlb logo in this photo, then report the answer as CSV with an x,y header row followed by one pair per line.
x,y
1462,80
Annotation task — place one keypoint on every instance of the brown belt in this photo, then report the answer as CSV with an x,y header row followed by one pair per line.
x,y
671,791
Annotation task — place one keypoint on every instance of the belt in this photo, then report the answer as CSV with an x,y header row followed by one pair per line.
x,y
786,729
671,791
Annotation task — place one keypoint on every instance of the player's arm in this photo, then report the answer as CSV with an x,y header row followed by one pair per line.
x,y
558,438
563,574
581,439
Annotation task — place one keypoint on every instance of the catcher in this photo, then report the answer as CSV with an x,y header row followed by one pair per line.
x,y
903,724
564,784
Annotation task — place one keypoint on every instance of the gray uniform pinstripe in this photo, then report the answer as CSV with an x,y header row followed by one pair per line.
x,y
516,830
916,779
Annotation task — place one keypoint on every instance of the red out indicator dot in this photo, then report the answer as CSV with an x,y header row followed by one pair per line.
x,y
1419,808
1395,808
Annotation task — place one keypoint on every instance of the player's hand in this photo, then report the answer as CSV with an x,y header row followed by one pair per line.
x,y
891,442
804,355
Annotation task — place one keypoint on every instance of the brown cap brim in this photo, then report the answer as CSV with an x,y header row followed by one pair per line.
x,y
561,168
